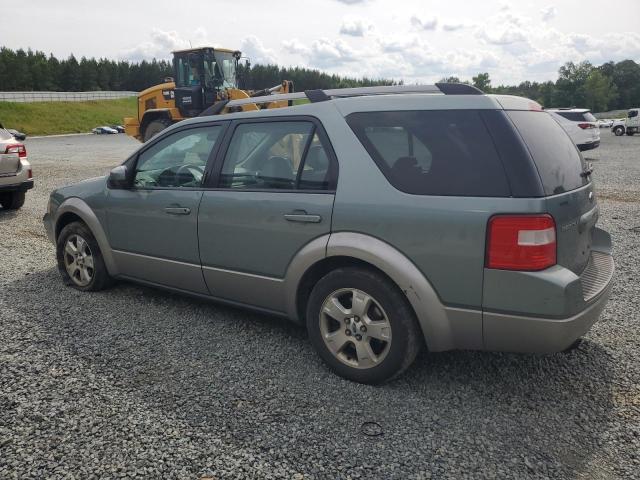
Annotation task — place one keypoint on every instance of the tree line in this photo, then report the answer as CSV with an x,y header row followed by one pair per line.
x,y
610,86
22,70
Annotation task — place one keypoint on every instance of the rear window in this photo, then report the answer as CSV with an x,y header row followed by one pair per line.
x,y
435,152
558,161
578,116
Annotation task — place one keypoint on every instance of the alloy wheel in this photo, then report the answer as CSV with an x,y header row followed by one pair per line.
x,y
78,260
355,328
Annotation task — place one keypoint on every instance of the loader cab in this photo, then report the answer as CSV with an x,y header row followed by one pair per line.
x,y
201,77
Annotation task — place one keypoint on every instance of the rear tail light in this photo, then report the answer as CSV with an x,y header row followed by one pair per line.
x,y
585,126
17,148
521,242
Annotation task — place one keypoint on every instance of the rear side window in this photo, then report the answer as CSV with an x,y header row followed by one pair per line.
x,y
559,163
578,116
435,152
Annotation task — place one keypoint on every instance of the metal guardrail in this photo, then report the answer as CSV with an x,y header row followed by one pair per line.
x,y
25,97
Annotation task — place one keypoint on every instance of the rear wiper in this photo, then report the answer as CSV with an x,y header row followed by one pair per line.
x,y
587,171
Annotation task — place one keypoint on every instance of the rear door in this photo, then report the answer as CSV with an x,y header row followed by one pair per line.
x,y
568,187
273,195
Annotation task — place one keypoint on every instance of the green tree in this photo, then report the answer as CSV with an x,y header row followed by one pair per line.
x,y
482,82
600,91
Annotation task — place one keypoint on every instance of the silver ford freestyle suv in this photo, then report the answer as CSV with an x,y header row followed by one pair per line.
x,y
383,218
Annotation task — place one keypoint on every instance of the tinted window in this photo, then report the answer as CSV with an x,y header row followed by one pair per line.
x,y
276,155
436,152
178,160
633,113
557,158
578,116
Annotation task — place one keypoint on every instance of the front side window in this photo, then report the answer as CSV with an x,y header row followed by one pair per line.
x,y
633,113
276,155
178,160
434,152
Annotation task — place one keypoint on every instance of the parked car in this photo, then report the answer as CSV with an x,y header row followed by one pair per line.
x,y
605,123
629,125
16,134
103,130
16,176
381,222
580,124
118,128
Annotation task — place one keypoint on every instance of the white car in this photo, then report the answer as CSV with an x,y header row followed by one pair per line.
x,y
580,124
101,130
605,123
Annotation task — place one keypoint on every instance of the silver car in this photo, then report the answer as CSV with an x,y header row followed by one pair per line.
x,y
385,219
16,175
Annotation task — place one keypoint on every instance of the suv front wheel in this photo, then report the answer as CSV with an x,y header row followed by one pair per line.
x,y
80,259
362,325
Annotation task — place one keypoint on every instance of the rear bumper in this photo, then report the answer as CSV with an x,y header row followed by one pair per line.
x,y
589,146
514,333
17,187
539,334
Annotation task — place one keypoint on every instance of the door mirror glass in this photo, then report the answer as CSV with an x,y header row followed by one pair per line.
x,y
118,177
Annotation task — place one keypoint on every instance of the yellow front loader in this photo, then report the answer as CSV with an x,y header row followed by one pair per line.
x,y
204,80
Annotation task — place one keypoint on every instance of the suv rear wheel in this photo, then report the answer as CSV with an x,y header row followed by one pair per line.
x,y
80,259
12,200
362,325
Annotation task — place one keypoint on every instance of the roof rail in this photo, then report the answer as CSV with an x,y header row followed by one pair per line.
x,y
315,96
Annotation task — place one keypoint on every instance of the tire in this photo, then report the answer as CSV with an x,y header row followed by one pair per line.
x,y
76,272
12,200
630,133
362,329
618,131
155,127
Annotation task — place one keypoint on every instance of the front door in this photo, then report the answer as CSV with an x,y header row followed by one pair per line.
x,y
274,194
153,226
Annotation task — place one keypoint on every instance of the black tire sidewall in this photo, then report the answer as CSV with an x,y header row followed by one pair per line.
x,y
405,341
154,126
12,200
100,275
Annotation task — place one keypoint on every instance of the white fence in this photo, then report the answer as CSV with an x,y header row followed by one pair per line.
x,y
62,96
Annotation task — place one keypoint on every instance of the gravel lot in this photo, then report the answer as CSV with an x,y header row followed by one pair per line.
x,y
134,382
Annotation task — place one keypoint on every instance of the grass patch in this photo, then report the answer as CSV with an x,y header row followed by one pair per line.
x,y
49,118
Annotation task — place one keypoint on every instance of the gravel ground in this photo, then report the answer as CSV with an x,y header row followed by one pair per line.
x,y
134,382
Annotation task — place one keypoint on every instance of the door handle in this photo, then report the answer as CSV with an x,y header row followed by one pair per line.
x,y
177,210
303,217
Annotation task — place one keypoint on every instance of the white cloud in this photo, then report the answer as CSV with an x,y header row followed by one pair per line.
x,y
352,2
424,23
161,43
355,27
452,27
548,13
253,48
330,53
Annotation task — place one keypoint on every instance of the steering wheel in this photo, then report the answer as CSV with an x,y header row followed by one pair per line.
x,y
194,171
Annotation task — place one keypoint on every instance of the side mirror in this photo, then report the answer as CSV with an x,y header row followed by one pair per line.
x,y
118,177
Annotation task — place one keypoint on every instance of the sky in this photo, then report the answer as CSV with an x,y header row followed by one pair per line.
x,y
418,41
